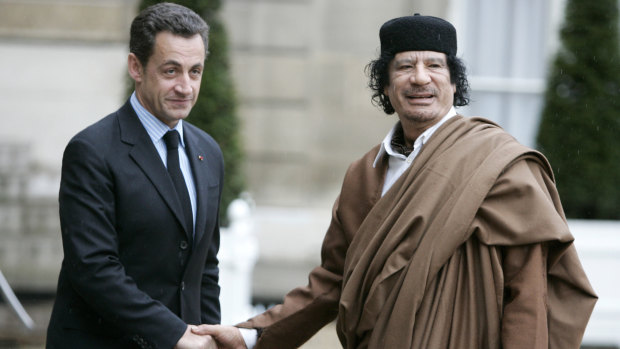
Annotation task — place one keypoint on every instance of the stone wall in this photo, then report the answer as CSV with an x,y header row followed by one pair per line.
x,y
98,20
31,251
299,71
63,68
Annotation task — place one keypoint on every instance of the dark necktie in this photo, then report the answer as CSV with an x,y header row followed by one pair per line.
x,y
172,143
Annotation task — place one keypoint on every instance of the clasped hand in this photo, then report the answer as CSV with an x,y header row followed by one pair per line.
x,y
190,340
211,337
227,337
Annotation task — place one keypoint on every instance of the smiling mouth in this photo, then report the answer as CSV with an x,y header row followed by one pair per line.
x,y
180,101
179,104
424,96
421,99
419,94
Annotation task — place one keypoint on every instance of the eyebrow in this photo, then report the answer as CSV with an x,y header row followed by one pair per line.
x,y
429,59
177,64
171,62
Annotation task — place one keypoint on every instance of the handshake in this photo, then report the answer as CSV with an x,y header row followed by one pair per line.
x,y
211,337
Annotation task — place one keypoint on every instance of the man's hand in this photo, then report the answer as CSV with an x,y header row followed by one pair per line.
x,y
194,341
227,337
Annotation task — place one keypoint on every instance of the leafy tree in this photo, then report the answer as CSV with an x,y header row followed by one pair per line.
x,y
580,127
215,110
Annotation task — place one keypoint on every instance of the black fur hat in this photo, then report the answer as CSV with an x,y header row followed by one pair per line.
x,y
418,33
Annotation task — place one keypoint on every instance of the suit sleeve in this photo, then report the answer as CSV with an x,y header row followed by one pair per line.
x,y
210,289
90,242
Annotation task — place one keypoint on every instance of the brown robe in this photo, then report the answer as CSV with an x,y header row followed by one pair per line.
x,y
468,249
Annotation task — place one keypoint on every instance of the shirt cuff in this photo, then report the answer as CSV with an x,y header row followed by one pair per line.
x,y
250,336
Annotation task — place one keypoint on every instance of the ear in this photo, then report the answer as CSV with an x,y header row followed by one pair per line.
x,y
134,67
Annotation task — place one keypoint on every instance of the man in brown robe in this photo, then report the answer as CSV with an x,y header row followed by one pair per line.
x,y
449,234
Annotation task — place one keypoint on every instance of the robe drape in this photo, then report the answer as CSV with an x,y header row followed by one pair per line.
x,y
468,249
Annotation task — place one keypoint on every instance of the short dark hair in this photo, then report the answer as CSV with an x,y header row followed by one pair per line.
x,y
165,16
379,78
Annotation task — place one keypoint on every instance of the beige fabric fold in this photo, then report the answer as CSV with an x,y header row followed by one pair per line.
x,y
468,249
415,277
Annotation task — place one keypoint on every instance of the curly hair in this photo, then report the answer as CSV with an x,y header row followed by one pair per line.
x,y
378,72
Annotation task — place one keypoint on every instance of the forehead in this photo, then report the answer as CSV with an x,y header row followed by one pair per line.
x,y
415,56
171,46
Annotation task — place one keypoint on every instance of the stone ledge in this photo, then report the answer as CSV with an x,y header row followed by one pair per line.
x,y
67,20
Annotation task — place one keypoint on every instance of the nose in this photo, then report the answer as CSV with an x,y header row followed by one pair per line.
x,y
183,85
420,76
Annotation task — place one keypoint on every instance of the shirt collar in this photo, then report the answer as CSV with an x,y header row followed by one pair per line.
x,y
155,128
386,144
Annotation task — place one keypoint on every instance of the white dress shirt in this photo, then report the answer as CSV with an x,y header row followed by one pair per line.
x,y
156,129
399,163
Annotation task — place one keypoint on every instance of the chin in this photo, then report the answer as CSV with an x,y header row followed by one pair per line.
x,y
421,117
177,115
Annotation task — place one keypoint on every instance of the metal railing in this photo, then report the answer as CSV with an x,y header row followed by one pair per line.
x,y
14,304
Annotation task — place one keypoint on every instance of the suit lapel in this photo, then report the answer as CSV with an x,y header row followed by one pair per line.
x,y
146,157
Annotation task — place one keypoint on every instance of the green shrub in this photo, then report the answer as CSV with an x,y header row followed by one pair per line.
x,y
580,126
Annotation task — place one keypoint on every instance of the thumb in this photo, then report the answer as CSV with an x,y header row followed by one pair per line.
x,y
204,329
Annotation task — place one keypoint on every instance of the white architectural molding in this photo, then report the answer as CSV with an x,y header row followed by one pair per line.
x,y
508,85
598,246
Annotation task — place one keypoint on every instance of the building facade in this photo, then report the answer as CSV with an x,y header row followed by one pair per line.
x,y
299,71
305,109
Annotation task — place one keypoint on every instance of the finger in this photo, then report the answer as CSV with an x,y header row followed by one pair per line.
x,y
204,329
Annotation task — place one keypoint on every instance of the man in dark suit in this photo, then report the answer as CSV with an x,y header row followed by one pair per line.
x,y
139,200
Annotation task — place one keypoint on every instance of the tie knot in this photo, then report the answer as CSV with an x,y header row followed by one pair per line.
x,y
172,139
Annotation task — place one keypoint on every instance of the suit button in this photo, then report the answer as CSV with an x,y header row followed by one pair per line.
x,y
182,285
184,245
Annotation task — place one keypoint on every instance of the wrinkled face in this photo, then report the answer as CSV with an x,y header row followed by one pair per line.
x,y
420,89
169,83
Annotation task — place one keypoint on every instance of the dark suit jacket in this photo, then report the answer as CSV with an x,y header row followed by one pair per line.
x,y
129,274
